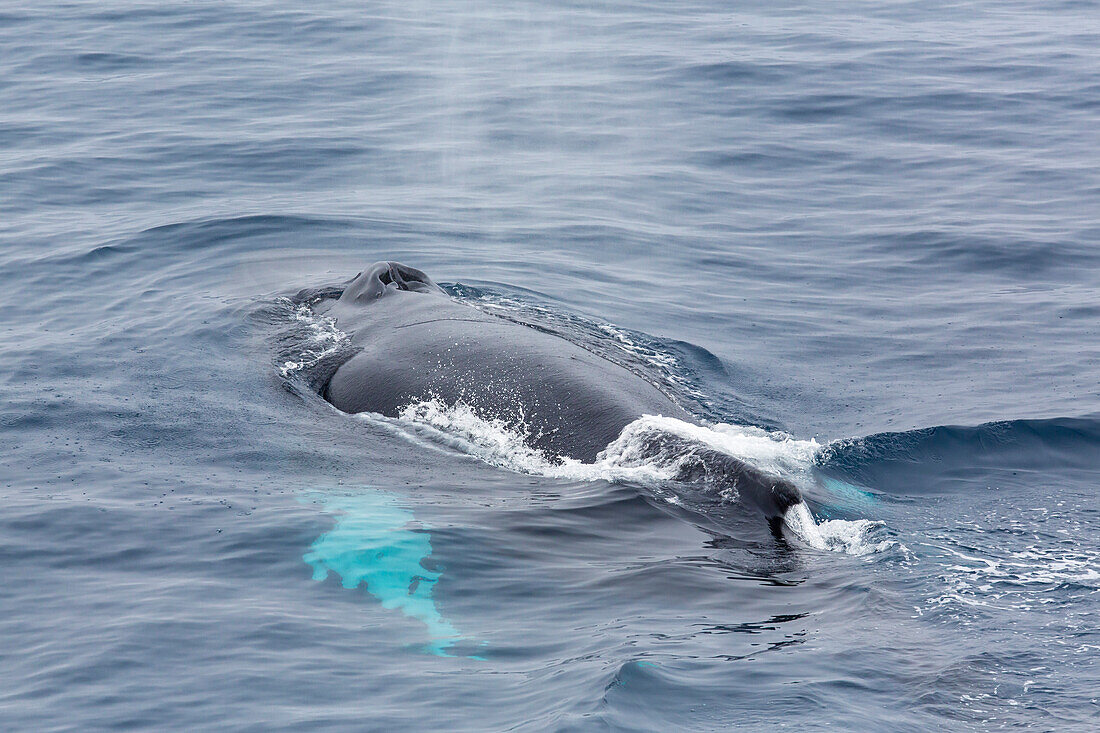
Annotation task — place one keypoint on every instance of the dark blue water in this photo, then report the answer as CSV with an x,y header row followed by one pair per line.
x,y
860,240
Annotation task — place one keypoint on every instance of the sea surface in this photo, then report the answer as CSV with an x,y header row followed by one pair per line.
x,y
860,241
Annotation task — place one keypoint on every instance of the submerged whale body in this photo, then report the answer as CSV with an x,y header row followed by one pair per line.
x,y
416,344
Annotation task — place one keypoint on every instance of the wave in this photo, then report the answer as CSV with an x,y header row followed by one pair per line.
x,y
931,459
185,239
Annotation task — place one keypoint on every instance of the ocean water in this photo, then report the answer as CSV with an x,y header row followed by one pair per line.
x,y
860,241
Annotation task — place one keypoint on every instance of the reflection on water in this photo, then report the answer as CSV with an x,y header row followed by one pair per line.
x,y
379,544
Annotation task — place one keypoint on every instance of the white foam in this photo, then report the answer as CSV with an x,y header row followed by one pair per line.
x,y
459,426
324,339
774,452
1012,577
853,537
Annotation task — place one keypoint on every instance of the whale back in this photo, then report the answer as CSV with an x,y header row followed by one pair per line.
x,y
416,345
568,401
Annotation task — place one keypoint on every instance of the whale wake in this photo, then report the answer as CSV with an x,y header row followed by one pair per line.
x,y
655,452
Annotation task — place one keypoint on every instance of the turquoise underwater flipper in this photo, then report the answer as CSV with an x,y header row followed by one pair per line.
x,y
378,543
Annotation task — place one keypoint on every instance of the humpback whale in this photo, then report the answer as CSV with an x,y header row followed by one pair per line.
x,y
416,343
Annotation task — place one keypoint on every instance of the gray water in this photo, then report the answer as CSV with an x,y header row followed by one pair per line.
x,y
859,242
